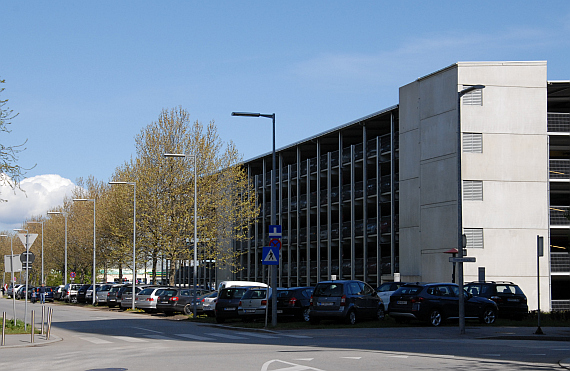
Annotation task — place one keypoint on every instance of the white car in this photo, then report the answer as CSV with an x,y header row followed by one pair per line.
x,y
209,304
385,290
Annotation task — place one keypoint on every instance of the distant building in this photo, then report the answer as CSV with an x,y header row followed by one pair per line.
x,y
376,199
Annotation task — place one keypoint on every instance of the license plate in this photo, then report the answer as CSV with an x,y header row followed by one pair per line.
x,y
249,310
229,308
326,304
401,302
279,311
513,300
163,302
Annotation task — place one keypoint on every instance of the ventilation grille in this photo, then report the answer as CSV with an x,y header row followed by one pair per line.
x,y
474,238
473,98
473,190
473,142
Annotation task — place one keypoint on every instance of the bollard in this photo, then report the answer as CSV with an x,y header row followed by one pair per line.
x,y
43,317
33,320
4,328
50,312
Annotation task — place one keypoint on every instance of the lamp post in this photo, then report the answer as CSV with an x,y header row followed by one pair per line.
x,y
12,269
27,271
273,211
182,155
65,215
94,273
134,235
460,209
42,223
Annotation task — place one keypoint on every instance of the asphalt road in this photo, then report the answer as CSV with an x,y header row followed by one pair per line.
x,y
102,339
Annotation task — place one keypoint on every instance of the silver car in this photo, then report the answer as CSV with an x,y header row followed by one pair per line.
x,y
146,299
102,291
209,304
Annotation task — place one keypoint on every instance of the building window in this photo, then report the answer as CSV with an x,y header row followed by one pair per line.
x,y
473,142
473,98
473,190
474,238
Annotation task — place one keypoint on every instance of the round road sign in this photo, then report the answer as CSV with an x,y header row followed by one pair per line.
x,y
275,242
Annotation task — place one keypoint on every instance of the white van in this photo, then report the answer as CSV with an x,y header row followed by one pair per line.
x,y
225,284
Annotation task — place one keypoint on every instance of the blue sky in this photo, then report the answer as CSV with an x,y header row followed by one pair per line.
x,y
86,77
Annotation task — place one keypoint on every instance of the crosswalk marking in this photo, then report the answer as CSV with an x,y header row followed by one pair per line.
x,y
159,337
296,336
195,337
225,336
261,336
130,339
94,340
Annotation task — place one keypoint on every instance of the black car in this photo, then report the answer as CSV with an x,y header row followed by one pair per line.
x,y
174,300
509,297
115,293
348,300
81,293
437,302
228,302
294,302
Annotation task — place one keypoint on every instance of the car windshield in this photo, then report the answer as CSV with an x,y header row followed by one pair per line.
x,y
408,290
509,289
233,293
147,291
328,289
254,294
168,292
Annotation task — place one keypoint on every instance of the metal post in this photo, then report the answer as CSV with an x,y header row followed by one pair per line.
x,y
4,328
539,253
32,324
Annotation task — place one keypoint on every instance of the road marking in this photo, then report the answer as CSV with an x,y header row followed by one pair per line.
x,y
297,336
225,336
130,339
303,359
290,366
94,340
491,355
397,356
356,357
156,332
255,335
195,337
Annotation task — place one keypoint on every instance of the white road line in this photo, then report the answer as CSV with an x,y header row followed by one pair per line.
x,y
195,337
256,335
141,328
398,356
130,339
297,336
95,340
491,355
225,336
353,357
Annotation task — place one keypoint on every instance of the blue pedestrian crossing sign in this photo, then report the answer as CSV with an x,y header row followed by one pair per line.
x,y
274,231
270,255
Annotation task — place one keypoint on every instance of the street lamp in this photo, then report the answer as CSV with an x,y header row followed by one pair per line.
x,y
94,277
65,215
42,223
274,210
134,234
195,225
460,209
27,271
12,269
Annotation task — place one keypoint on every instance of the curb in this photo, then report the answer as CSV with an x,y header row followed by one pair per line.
x,y
25,340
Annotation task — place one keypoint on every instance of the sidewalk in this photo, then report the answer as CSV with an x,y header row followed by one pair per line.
x,y
25,340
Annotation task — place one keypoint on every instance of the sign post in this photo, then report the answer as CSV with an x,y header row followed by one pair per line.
x,y
539,253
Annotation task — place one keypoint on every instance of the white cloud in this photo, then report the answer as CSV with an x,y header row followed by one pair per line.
x,y
42,192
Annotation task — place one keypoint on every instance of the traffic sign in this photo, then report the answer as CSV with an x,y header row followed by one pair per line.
x,y
467,259
275,242
72,274
31,239
270,255
274,231
27,256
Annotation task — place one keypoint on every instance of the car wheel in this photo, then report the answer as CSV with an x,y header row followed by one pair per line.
x,y
489,316
435,317
305,315
380,314
74,300
188,309
351,318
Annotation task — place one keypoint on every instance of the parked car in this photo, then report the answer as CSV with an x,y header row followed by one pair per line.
x,y
13,288
82,292
438,302
21,292
209,304
254,303
58,293
48,294
510,299
125,300
70,292
386,290
101,294
348,300
294,302
114,294
227,303
147,298
177,299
